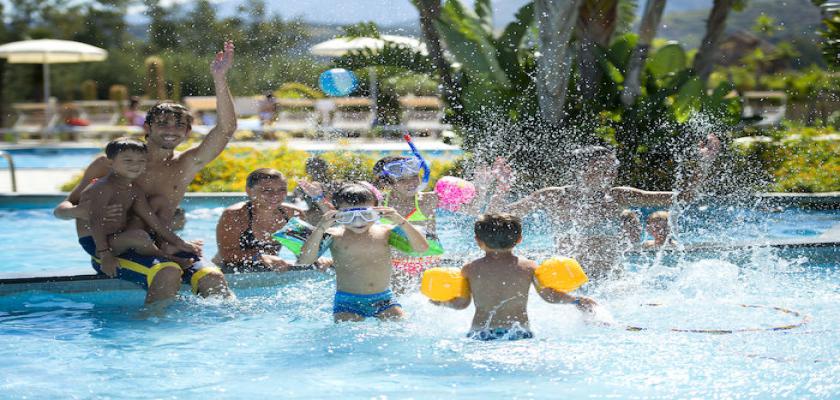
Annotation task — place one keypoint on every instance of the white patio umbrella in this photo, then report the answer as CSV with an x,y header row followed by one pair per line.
x,y
50,51
343,45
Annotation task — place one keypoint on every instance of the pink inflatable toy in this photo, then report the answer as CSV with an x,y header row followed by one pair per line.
x,y
454,192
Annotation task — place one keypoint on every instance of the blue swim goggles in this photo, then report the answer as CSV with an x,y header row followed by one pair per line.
x,y
409,166
349,215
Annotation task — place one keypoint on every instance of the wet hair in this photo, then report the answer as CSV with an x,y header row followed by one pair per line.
x,y
160,110
120,145
263,174
354,194
317,165
498,230
378,169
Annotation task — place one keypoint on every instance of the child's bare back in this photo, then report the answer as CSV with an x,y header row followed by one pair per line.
x,y
499,285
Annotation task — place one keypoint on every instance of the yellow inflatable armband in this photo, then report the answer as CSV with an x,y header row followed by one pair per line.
x,y
561,273
444,284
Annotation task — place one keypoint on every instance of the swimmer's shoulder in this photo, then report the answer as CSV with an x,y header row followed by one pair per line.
x,y
234,210
551,193
429,200
295,210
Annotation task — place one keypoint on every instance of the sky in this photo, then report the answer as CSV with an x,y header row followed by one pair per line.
x,y
383,12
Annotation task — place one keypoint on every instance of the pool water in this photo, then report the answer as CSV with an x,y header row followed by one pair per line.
x,y
51,157
279,341
80,157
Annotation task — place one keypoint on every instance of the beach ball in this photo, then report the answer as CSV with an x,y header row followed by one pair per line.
x,y
337,82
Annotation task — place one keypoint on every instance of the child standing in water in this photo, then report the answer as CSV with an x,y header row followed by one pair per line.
x,y
500,281
361,253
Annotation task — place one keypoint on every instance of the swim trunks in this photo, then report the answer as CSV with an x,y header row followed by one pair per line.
x,y
141,269
366,305
500,334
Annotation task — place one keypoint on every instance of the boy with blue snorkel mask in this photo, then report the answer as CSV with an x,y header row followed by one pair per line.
x,y
361,253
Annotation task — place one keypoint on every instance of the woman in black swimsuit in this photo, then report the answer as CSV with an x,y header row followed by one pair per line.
x,y
244,230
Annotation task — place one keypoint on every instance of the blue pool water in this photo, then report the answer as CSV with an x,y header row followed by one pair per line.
x,y
279,341
51,157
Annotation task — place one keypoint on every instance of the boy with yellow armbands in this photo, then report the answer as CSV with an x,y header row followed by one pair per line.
x,y
499,283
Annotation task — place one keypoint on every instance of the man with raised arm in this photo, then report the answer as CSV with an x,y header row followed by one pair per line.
x,y
167,176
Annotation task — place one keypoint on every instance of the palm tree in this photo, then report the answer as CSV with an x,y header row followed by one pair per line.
x,y
647,31
597,20
556,20
429,12
715,26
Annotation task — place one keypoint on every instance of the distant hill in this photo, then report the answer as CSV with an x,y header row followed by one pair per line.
x,y
800,20
684,20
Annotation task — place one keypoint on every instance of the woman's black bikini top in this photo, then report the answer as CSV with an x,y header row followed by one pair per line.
x,y
248,241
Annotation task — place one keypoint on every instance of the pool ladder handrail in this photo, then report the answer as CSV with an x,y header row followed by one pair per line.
x,y
11,162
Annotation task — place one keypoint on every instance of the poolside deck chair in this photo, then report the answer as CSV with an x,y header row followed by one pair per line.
x,y
423,114
31,120
352,115
295,115
103,116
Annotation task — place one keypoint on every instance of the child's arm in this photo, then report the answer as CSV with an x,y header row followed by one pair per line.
x,y
309,252
102,194
316,193
415,238
142,209
458,303
462,302
555,296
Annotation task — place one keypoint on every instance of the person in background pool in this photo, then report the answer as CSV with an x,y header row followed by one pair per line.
x,y
169,173
588,212
500,281
658,227
244,230
318,182
132,114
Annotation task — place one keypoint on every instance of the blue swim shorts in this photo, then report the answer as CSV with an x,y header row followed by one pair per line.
x,y
141,269
366,305
501,334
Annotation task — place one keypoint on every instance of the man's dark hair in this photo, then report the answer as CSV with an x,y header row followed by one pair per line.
x,y
120,145
258,175
354,194
163,109
498,231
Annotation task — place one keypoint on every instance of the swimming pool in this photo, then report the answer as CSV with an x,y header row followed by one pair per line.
x,y
278,340
51,157
80,157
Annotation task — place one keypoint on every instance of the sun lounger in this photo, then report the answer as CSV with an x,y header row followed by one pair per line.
x,y
423,114
32,120
352,115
